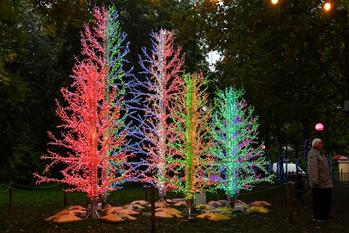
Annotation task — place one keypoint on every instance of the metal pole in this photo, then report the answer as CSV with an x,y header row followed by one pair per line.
x,y
10,193
152,217
290,191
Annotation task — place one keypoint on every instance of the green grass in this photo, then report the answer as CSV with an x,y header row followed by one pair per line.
x,y
31,207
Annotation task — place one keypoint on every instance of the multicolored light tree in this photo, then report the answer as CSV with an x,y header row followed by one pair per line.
x,y
159,84
93,163
238,155
116,50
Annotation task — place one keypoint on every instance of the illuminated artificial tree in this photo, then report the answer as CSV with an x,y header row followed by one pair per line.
x,y
159,83
238,156
192,141
92,161
116,50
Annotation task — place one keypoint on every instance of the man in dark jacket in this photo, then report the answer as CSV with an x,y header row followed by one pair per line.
x,y
320,181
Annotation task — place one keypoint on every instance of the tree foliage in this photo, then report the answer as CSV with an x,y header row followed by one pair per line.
x,y
39,42
289,57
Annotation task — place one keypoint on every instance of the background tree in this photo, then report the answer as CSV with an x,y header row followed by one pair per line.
x,y
40,58
141,17
20,105
288,57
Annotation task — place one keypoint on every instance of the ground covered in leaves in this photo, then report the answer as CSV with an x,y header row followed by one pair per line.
x,y
32,206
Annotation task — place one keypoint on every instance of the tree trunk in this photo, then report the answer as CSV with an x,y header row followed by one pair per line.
x,y
306,130
296,150
162,195
189,209
266,135
92,210
278,129
231,201
104,199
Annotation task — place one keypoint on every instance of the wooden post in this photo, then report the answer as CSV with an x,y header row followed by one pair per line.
x,y
64,198
146,193
10,193
290,192
152,217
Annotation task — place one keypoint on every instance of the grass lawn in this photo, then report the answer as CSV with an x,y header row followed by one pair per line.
x,y
31,207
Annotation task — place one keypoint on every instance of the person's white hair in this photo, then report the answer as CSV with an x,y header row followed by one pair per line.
x,y
315,142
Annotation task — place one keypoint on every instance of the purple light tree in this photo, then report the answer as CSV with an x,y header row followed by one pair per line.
x,y
159,83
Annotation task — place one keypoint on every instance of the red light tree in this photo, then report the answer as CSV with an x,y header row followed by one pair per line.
x,y
91,112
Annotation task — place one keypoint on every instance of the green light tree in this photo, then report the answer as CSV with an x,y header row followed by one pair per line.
x,y
191,140
238,156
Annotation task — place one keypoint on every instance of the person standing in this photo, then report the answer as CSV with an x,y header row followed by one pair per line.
x,y
320,181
